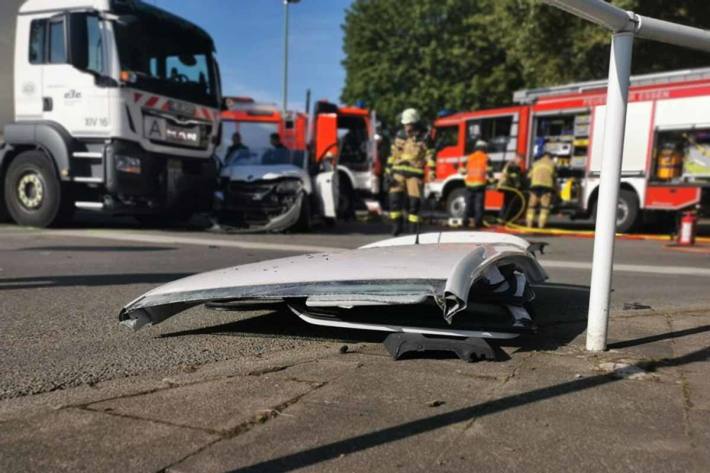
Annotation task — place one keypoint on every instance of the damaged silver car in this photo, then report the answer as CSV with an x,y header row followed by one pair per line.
x,y
274,189
454,284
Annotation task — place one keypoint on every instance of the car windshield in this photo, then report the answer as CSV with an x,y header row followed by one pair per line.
x,y
264,157
168,59
249,143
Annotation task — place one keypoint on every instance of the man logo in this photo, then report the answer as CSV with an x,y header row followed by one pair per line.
x,y
155,129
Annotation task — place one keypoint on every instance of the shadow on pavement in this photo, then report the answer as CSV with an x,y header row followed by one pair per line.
x,y
99,249
657,338
88,280
362,442
560,312
283,323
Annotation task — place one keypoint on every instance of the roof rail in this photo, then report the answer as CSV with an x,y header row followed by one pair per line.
x,y
527,96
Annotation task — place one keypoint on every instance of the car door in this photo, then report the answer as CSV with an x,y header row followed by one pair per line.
x,y
327,150
327,190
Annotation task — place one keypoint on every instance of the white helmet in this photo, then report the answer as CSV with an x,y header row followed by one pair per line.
x,y
481,144
410,116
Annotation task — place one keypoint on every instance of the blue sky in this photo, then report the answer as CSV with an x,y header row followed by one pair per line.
x,y
249,39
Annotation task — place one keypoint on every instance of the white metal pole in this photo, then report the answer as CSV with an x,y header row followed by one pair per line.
x,y
613,148
285,78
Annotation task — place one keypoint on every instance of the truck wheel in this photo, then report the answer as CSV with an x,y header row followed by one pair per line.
x,y
456,203
33,193
627,211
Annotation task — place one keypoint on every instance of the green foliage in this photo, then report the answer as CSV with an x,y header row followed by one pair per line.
x,y
469,54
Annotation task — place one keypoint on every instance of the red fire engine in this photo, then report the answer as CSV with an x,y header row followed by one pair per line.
x,y
666,162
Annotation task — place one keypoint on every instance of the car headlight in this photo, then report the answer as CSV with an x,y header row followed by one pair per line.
x,y
290,186
128,164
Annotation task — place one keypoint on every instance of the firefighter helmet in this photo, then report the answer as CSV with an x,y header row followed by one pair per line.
x,y
410,116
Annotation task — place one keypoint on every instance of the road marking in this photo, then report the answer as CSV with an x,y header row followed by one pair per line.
x,y
178,240
631,268
253,245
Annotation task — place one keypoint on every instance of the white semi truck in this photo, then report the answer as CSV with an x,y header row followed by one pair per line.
x,y
109,105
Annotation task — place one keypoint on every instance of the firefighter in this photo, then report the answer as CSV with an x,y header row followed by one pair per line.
x,y
476,174
235,148
511,184
542,186
410,158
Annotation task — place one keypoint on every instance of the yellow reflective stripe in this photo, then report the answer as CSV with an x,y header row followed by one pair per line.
x,y
413,218
395,215
408,169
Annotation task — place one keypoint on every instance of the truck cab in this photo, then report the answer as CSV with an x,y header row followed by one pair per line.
x,y
116,109
350,133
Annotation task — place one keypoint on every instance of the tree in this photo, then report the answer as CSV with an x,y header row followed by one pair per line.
x,y
428,54
469,54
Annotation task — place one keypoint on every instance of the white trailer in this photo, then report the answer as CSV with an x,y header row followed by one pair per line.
x,y
115,108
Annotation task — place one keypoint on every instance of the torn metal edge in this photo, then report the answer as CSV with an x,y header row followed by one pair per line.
x,y
309,318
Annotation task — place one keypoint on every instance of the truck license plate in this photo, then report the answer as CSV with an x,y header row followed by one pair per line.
x,y
158,129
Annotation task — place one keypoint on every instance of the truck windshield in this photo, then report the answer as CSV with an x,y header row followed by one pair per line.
x,y
168,58
353,139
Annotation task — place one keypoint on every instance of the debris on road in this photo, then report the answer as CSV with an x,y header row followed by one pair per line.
x,y
477,283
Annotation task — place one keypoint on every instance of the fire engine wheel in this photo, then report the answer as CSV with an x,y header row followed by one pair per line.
x,y
456,203
627,211
33,193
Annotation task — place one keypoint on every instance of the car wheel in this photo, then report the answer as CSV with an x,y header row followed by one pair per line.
x,y
304,220
33,193
346,200
456,203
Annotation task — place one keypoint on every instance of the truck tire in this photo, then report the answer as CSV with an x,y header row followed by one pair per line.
x,y
456,203
33,192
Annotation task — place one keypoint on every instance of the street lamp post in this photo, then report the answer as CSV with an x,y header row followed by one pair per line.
x,y
285,78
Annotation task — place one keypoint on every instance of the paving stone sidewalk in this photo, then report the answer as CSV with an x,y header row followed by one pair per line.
x,y
642,406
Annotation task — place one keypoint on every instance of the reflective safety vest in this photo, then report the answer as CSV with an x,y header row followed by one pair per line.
x,y
477,169
542,173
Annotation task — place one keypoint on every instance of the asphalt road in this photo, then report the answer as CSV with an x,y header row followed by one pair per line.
x,y
61,291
